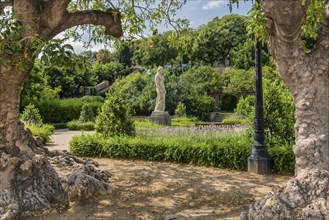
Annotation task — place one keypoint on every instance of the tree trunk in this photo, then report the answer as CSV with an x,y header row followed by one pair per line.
x,y
307,76
28,182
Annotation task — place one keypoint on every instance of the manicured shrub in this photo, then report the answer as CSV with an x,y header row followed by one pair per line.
x,y
180,110
82,126
235,120
115,118
86,114
184,121
90,98
44,131
31,115
230,152
63,110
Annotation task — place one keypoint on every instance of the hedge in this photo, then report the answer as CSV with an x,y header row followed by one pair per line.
x,y
63,110
231,153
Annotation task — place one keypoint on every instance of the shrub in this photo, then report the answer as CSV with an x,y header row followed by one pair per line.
x,y
86,114
235,120
44,131
180,110
115,118
230,151
78,125
31,115
184,121
63,110
283,158
279,114
90,98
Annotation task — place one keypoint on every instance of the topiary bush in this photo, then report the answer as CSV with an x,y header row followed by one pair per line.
x,y
180,110
31,115
76,125
115,118
87,114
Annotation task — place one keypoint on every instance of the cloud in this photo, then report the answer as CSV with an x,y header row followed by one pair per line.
x,y
214,4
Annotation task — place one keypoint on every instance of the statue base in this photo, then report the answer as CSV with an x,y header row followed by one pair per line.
x,y
162,118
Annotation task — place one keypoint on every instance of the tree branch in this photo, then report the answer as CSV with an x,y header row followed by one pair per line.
x,y
110,19
285,22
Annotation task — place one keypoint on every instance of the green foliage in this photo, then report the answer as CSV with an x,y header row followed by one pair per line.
x,y
89,98
44,131
243,57
82,126
283,158
37,87
31,115
146,124
109,71
180,110
216,40
184,121
228,103
227,151
279,114
192,88
155,51
86,114
222,150
257,23
312,25
62,110
115,118
136,16
235,121
71,82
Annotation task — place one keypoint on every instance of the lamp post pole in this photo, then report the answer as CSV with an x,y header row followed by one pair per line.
x,y
259,161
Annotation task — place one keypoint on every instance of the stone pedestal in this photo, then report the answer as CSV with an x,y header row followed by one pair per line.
x,y
259,161
162,118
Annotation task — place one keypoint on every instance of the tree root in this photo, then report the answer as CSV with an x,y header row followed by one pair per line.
x,y
36,181
304,197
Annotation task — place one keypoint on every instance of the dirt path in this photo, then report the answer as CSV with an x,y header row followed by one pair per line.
x,y
153,190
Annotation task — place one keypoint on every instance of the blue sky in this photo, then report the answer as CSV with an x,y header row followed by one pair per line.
x,y
198,12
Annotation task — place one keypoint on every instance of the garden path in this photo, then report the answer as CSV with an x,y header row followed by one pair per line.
x,y
155,190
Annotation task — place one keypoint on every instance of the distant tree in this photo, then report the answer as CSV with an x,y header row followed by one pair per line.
x,y
216,40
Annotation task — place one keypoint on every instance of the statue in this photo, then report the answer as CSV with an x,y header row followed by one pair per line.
x,y
161,91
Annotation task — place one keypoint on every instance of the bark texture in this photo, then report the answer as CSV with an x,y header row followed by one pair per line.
x,y
30,183
307,77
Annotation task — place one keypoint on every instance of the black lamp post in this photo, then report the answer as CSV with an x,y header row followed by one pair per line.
x,y
259,161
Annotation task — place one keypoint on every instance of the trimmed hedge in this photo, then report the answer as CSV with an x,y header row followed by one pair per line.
x,y
230,153
63,110
83,126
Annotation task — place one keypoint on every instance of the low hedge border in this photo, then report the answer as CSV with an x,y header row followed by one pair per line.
x,y
230,154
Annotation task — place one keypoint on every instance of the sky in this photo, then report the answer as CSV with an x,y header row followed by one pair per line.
x,y
198,12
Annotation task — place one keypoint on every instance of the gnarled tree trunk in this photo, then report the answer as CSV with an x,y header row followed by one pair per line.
x,y
307,76
28,182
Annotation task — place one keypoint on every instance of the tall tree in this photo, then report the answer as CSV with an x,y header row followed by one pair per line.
x,y
307,77
216,40
28,182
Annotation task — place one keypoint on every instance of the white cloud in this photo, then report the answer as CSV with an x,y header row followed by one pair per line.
x,y
214,4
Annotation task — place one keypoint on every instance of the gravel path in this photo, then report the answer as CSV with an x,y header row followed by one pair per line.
x,y
165,191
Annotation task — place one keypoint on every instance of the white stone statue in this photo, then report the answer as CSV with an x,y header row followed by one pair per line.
x,y
161,91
